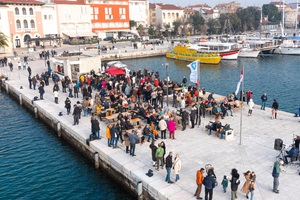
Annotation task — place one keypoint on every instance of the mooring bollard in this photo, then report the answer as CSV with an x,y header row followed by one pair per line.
x,y
58,127
7,88
20,98
35,112
96,158
139,189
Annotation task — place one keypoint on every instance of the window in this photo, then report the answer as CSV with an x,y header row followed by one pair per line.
x,y
108,14
32,24
45,17
25,23
122,13
23,11
50,17
17,11
30,11
18,24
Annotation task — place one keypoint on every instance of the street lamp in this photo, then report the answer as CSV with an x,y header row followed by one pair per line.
x,y
167,65
77,38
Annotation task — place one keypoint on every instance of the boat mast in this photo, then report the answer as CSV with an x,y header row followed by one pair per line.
x,y
283,3
261,18
296,25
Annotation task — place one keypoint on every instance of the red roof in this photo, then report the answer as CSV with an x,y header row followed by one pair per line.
x,y
170,7
21,2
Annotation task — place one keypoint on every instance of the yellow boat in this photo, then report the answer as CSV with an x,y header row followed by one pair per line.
x,y
184,52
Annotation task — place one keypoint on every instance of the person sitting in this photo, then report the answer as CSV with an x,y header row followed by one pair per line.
x,y
218,128
293,154
147,132
128,125
225,128
211,127
216,110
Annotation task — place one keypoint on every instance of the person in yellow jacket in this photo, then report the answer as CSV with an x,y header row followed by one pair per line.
x,y
108,136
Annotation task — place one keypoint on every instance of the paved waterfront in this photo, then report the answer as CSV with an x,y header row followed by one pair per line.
x,y
196,149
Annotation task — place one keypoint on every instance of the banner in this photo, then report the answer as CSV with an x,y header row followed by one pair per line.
x,y
240,81
194,71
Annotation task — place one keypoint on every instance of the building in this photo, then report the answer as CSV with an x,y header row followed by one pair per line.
x,y
110,18
165,14
139,12
279,4
206,11
230,7
20,21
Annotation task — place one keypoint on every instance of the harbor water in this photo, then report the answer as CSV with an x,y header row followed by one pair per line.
x,y
36,164
277,75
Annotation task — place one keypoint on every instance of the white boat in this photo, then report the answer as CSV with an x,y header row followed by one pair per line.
x,y
248,52
265,45
289,46
228,51
117,64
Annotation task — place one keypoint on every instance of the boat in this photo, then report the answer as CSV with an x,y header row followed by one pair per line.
x,y
266,46
289,46
248,52
228,51
186,53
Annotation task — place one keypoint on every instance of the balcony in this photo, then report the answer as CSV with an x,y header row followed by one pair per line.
x,y
26,30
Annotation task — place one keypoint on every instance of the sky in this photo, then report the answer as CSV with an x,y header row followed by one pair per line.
x,y
212,3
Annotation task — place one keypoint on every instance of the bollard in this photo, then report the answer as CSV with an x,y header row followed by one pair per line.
x,y
20,98
96,158
7,88
58,127
35,112
139,189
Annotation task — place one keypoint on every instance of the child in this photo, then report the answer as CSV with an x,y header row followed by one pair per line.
x,y
273,113
224,183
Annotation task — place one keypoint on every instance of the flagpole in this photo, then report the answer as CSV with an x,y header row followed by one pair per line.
x,y
242,104
199,96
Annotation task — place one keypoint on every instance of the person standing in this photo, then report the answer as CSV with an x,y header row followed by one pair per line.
x,y
177,167
41,91
55,93
159,157
68,105
251,190
275,107
133,138
30,82
95,127
185,118
224,183
199,181
168,167
76,114
114,136
34,82
264,99
108,136
209,183
29,70
249,95
245,188
184,81
172,127
275,173
162,127
234,183
153,148
251,106
193,116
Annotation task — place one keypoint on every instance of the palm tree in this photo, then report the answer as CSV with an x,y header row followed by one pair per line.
x,y
3,40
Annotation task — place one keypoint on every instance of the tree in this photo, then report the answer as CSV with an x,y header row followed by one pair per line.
x,y
141,30
167,30
230,22
250,18
176,24
197,21
3,40
151,31
132,23
158,29
272,12
213,25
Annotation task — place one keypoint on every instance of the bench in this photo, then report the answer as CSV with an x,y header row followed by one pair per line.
x,y
228,135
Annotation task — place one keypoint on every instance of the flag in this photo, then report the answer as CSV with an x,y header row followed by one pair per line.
x,y
240,81
194,71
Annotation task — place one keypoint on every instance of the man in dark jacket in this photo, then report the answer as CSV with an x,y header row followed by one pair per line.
x,y
193,116
133,138
275,173
275,106
41,91
76,114
264,99
234,183
209,183
114,136
168,167
95,127
185,118
34,82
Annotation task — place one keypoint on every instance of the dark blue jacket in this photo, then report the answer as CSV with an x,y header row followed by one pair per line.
x,y
209,182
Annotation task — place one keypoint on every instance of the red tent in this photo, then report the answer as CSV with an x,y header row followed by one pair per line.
x,y
113,71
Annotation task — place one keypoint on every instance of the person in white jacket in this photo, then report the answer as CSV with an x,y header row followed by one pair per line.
x,y
250,105
162,127
55,93
177,167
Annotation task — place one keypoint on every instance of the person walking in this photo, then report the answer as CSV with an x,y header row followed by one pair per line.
x,y
251,106
68,105
275,173
199,181
76,114
275,107
168,167
245,188
162,127
264,99
209,183
177,167
224,183
251,190
159,157
234,183
95,127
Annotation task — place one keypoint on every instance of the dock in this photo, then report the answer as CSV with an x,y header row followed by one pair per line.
x,y
195,147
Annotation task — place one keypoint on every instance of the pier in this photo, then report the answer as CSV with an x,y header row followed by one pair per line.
x,y
195,146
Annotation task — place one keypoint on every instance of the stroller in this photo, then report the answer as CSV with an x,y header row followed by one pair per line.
x,y
209,167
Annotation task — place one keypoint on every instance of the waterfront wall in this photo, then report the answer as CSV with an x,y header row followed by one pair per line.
x,y
132,55
97,152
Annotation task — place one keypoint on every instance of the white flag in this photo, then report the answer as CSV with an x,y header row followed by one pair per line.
x,y
194,71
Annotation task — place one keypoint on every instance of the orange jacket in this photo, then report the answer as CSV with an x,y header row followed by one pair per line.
x,y
199,177
108,136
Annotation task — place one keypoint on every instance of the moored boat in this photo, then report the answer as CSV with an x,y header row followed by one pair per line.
x,y
289,46
186,53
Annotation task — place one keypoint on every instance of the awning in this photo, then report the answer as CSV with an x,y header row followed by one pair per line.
x,y
113,71
79,34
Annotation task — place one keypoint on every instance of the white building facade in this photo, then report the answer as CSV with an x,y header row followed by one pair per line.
x,y
139,12
167,14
